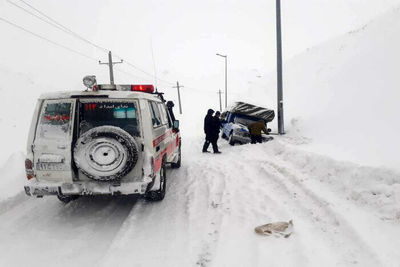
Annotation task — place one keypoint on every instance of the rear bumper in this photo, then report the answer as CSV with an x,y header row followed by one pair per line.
x,y
35,188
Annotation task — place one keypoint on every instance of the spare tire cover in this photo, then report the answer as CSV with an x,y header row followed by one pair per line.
x,y
106,153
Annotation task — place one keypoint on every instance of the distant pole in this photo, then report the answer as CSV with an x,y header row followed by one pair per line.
x,y
220,100
281,129
179,96
226,81
110,64
226,78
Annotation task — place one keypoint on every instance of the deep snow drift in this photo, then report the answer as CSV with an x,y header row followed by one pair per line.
x,y
339,97
344,94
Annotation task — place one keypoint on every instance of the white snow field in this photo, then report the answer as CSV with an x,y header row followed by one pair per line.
x,y
335,174
343,215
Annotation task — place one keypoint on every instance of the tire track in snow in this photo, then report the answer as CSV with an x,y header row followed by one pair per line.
x,y
73,234
183,229
254,204
205,196
156,232
354,249
13,202
371,230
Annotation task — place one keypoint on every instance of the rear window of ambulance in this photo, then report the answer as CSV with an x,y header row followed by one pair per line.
x,y
55,120
109,113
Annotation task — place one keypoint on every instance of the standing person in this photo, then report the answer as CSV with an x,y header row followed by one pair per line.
x,y
209,131
255,131
215,131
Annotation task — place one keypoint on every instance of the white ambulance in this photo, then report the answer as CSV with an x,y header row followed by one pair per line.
x,y
108,140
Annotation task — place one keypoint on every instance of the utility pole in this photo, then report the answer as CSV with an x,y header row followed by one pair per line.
x,y
226,81
110,64
281,129
220,99
179,96
226,77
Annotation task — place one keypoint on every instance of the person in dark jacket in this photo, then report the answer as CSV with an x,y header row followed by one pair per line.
x,y
255,131
209,130
216,123
216,127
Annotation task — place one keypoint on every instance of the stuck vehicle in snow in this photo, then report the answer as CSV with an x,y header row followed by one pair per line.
x,y
111,140
237,118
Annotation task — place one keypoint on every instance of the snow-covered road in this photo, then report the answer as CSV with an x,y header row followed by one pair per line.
x,y
343,215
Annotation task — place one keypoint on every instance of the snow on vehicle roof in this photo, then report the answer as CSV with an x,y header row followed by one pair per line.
x,y
107,93
251,110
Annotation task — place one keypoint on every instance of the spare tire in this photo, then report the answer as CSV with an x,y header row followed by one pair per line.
x,y
106,153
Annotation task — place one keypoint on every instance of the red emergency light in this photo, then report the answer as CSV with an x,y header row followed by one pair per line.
x,y
146,88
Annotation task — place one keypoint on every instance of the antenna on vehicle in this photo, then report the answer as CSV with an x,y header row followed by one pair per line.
x,y
154,62
160,95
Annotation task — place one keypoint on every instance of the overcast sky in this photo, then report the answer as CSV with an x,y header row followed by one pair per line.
x,y
185,36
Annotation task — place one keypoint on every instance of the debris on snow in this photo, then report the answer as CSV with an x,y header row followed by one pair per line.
x,y
278,229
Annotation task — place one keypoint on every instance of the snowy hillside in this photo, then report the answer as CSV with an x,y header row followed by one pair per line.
x,y
19,93
344,94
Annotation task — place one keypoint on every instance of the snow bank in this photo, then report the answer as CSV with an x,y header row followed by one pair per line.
x,y
375,188
12,176
20,92
209,213
343,95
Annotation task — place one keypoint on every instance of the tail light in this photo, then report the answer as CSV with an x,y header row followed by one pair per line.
x,y
29,169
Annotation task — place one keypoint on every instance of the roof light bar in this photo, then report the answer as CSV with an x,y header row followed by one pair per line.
x,y
146,88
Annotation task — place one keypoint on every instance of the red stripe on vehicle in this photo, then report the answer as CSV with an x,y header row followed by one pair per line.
x,y
161,138
158,160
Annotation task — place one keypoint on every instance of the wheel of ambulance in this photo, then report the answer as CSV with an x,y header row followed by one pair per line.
x,y
159,194
231,141
66,199
178,163
106,153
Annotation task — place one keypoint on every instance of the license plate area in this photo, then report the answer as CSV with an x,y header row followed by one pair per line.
x,y
50,166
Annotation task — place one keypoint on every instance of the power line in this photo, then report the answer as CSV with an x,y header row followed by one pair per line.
x,y
136,68
199,90
145,72
47,40
57,24
36,16
129,74
63,46
63,28
133,75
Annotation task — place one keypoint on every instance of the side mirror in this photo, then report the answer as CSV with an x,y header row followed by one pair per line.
x,y
176,124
